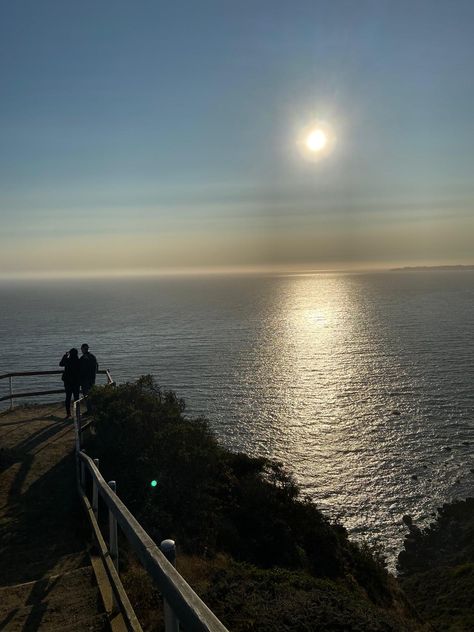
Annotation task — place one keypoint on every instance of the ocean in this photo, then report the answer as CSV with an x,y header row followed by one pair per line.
x,y
361,384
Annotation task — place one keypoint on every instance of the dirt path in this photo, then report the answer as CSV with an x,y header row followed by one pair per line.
x,y
45,576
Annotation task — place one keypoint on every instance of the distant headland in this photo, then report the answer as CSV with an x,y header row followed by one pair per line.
x,y
418,268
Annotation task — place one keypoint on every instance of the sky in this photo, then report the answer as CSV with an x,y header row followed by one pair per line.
x,y
166,136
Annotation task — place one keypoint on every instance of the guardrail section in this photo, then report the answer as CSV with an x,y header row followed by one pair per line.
x,y
12,396
187,608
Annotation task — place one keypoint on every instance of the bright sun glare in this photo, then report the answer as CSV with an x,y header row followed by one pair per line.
x,y
316,140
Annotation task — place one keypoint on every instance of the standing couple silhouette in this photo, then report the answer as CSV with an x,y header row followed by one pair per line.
x,y
79,374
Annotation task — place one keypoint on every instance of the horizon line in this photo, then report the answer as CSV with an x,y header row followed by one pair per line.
x,y
270,269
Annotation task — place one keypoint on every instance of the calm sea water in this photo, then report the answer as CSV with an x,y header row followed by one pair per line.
x,y
362,385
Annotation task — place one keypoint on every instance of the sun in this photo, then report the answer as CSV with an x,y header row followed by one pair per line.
x,y
316,140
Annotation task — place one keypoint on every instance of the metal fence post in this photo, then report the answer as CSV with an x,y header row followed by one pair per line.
x,y
95,493
168,548
78,444
83,473
79,424
113,539
11,391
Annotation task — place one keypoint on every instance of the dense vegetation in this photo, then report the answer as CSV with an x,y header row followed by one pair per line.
x,y
437,568
263,557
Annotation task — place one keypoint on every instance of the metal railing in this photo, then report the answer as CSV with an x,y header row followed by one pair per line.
x,y
12,396
182,606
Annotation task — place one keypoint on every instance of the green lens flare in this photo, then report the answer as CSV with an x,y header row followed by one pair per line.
x,y
154,483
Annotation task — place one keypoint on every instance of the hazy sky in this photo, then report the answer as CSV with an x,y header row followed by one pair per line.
x,y
152,134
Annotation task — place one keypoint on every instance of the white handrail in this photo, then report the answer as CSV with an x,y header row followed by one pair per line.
x,y
187,607
182,604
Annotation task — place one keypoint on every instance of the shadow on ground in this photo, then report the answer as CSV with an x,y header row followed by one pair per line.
x,y
42,527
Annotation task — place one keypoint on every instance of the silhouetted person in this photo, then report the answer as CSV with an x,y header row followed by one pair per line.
x,y
88,371
71,377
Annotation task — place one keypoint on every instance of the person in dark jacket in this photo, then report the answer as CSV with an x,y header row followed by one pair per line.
x,y
88,370
71,377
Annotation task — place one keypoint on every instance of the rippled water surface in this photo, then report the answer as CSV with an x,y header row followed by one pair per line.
x,y
363,385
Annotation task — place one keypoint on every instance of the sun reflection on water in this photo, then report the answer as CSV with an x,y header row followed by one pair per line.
x,y
323,376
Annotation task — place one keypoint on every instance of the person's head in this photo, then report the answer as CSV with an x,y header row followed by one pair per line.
x,y
84,348
73,353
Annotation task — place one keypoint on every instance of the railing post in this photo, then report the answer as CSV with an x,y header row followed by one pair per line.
x,y
78,443
113,539
79,424
168,548
95,493
10,380
83,473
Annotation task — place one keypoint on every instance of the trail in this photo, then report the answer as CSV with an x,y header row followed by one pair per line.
x,y
46,580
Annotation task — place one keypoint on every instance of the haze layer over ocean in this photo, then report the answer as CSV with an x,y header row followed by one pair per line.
x,y
361,384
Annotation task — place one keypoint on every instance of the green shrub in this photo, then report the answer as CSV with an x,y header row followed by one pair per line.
x,y
437,568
